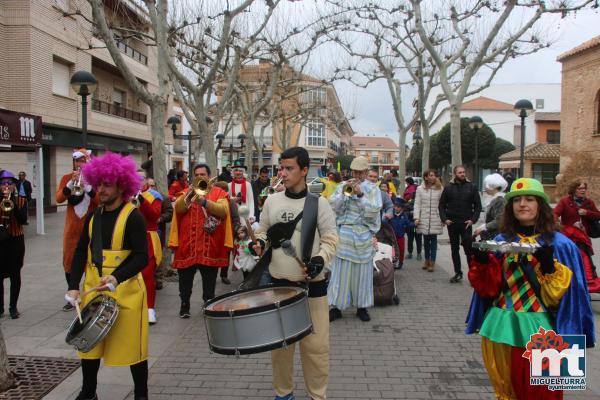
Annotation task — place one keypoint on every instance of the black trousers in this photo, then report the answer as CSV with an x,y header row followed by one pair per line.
x,y
411,234
139,373
186,282
12,253
460,235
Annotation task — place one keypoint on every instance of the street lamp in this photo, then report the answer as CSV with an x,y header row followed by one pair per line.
x,y
241,137
476,123
174,121
523,108
84,84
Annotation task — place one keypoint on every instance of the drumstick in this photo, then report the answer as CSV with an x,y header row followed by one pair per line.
x,y
78,310
244,212
289,249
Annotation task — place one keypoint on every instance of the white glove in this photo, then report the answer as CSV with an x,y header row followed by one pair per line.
x,y
71,300
87,188
70,184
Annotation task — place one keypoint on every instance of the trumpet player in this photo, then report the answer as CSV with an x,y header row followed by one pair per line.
x,y
357,204
149,202
260,184
201,237
81,201
13,214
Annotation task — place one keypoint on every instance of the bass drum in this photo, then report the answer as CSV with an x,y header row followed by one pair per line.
x,y
257,320
98,317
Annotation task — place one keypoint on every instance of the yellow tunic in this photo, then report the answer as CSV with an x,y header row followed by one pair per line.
x,y
127,341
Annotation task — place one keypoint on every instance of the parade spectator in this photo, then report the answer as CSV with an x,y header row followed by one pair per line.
x,y
225,174
201,238
179,185
411,189
24,186
427,217
460,206
242,257
79,206
258,185
400,221
387,178
509,178
520,296
387,208
576,209
358,220
12,241
494,185
395,178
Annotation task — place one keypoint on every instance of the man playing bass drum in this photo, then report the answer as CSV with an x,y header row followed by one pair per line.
x,y
112,251
281,219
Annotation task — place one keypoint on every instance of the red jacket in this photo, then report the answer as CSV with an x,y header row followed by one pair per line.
x,y
176,189
566,210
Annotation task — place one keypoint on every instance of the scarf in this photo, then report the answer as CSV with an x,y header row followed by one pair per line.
x,y
241,182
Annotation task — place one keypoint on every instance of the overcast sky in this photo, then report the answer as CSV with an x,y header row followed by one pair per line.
x,y
373,109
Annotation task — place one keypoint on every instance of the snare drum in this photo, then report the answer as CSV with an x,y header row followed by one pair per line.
x,y
98,317
257,320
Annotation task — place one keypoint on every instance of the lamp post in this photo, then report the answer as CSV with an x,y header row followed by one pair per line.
x,y
174,121
241,137
476,123
84,84
523,108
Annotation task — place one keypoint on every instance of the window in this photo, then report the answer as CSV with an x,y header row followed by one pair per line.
x,y
374,156
546,173
315,134
314,96
118,98
553,136
61,77
539,104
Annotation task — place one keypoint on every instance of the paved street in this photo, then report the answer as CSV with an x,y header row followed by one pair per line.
x,y
416,350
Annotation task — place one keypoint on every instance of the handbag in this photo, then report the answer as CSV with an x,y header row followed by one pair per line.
x,y
593,230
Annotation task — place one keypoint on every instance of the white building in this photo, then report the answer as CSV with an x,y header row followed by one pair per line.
x,y
495,106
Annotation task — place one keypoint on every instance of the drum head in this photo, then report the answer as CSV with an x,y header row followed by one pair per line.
x,y
253,300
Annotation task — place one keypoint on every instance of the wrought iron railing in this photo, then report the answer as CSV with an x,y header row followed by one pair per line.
x,y
133,53
112,109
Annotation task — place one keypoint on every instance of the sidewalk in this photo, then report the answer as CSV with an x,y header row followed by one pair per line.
x,y
416,350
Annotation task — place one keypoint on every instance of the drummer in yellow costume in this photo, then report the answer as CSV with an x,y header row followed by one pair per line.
x,y
112,251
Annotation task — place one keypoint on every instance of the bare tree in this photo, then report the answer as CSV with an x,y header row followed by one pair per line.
x,y
7,378
154,36
483,35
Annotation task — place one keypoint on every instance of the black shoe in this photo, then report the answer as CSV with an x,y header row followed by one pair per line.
x,y
184,311
159,285
334,314
82,396
398,266
68,307
225,280
363,315
14,313
456,278
419,258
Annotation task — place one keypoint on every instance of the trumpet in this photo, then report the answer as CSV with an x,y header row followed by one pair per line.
x,y
7,204
78,187
200,187
348,189
135,200
269,190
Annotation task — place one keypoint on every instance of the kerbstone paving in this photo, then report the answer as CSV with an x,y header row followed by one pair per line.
x,y
416,350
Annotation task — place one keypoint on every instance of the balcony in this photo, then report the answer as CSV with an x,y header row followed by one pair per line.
x,y
118,111
133,53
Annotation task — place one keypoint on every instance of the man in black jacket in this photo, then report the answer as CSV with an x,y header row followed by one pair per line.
x,y
460,206
24,186
257,187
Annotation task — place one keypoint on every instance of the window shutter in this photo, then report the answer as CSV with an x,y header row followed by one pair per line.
x,y
60,78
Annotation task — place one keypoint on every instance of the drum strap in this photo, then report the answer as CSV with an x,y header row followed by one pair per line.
x,y
96,240
309,225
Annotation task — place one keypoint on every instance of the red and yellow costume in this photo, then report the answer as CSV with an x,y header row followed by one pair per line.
x,y
192,245
73,223
150,208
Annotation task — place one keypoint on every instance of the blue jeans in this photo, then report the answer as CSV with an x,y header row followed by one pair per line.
x,y
430,244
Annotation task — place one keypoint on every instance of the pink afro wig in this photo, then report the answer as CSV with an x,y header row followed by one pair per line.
x,y
113,168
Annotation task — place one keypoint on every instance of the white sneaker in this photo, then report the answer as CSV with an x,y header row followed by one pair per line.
x,y
151,316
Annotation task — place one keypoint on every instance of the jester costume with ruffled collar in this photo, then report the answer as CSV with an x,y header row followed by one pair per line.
x,y
513,299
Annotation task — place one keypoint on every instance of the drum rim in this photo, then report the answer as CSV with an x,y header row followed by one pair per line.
x,y
254,310
263,348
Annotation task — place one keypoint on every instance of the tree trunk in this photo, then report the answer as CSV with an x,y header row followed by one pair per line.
x,y
7,378
158,146
455,146
401,160
426,147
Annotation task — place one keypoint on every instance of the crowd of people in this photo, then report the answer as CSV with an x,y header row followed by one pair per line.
x,y
115,241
